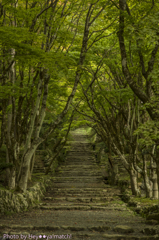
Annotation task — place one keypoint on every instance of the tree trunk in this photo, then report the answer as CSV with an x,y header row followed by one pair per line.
x,y
31,167
12,176
134,185
30,148
11,141
114,176
155,186
146,179
99,155
22,184
7,169
12,145
157,172
147,187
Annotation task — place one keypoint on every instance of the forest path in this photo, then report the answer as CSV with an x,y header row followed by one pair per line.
x,y
78,205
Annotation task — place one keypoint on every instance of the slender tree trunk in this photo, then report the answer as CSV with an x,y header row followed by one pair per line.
x,y
157,167
153,178
11,144
11,132
114,174
7,169
22,184
8,143
146,179
99,155
134,185
12,177
31,167
155,185
147,187
29,147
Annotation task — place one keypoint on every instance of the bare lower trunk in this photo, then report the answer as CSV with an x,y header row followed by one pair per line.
x,y
22,185
134,185
31,167
114,176
151,189
154,181
157,172
147,187
11,183
99,155
7,169
155,187
25,168
11,173
146,178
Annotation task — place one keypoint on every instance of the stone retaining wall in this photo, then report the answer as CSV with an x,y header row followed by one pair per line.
x,y
19,202
150,212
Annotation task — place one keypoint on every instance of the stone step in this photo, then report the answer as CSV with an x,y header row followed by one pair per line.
x,y
80,150
82,163
78,181
92,156
52,227
83,160
73,143
79,185
78,233
80,166
77,154
78,157
75,173
89,150
80,207
78,178
84,195
77,168
85,156
80,171
76,194
110,205
73,157
107,188
81,191
80,199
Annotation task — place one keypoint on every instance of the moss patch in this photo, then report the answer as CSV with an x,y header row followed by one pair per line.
x,y
145,201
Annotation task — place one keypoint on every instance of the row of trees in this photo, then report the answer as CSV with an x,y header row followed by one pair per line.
x,y
122,100
104,51
43,46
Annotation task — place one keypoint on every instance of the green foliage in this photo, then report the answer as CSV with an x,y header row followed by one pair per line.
x,y
149,131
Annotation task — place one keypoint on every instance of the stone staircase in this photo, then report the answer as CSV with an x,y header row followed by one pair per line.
x,y
78,205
